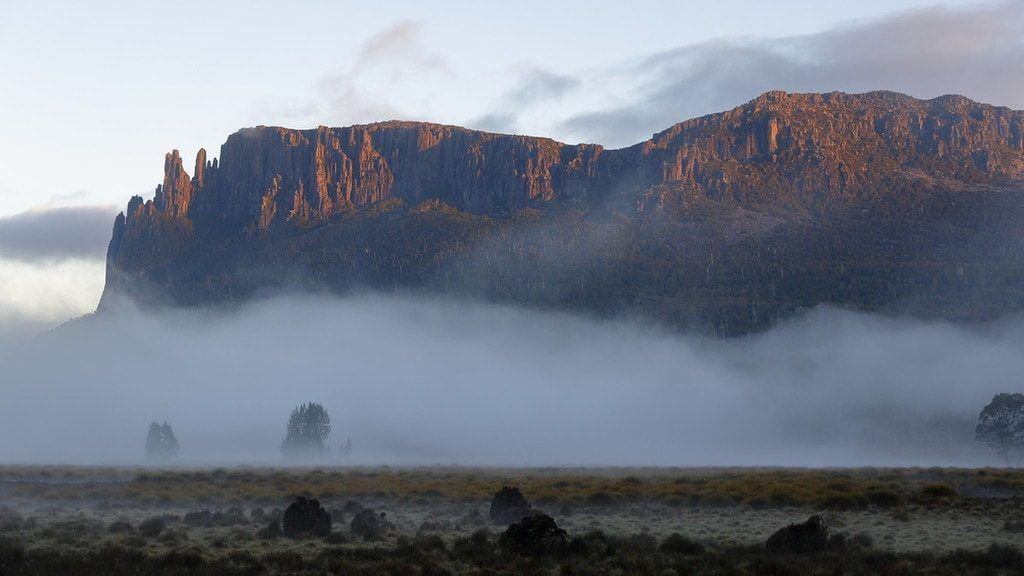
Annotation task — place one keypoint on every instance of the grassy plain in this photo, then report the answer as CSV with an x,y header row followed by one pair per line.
x,y
619,521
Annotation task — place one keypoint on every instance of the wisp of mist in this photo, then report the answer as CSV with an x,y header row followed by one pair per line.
x,y
423,381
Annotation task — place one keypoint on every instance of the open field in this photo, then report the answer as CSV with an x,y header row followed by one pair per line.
x,y
619,521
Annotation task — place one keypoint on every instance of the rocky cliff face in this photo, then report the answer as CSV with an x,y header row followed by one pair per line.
x,y
786,159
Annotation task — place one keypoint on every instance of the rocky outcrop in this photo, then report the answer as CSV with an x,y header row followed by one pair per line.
x,y
810,161
796,147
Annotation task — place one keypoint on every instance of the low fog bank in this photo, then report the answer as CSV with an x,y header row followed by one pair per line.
x,y
415,381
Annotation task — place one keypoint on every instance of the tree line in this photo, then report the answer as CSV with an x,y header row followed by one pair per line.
x,y
306,437
1000,426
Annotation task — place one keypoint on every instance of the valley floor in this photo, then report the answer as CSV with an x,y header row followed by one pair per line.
x,y
618,521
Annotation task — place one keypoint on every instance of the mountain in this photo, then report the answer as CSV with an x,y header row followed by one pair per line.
x,y
724,223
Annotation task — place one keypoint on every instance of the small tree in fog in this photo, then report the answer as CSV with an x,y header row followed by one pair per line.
x,y
1001,426
161,443
308,429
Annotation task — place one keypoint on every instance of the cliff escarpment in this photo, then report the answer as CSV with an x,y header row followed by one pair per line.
x,y
730,221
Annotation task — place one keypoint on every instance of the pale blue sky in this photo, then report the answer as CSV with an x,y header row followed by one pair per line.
x,y
96,92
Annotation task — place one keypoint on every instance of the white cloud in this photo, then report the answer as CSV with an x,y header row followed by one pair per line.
x,y
57,233
38,295
977,51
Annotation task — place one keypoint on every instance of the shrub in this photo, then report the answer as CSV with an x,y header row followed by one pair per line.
x,y
884,498
305,517
121,527
593,544
152,527
1014,526
811,535
1004,556
191,558
368,524
601,499
10,520
862,541
535,535
508,505
938,492
841,502
678,544
270,531
11,552
476,548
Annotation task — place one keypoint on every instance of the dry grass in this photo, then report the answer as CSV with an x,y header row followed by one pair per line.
x,y
924,515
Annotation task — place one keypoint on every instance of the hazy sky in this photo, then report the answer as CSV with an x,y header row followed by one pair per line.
x,y
96,92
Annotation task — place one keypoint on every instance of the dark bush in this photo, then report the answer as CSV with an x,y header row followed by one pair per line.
x,y
809,536
476,548
938,492
11,552
884,498
271,530
121,527
368,524
352,508
11,521
593,544
1014,526
208,519
152,527
305,517
534,535
1004,556
862,541
601,499
336,538
508,505
191,558
679,544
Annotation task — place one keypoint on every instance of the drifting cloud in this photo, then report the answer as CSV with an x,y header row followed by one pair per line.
x,y
51,266
57,233
399,46
364,91
534,87
35,296
977,51
439,381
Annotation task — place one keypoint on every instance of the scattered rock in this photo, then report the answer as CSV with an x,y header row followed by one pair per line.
x,y
305,517
534,535
508,505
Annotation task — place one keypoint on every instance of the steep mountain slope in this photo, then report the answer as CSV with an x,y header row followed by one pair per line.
x,y
726,222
